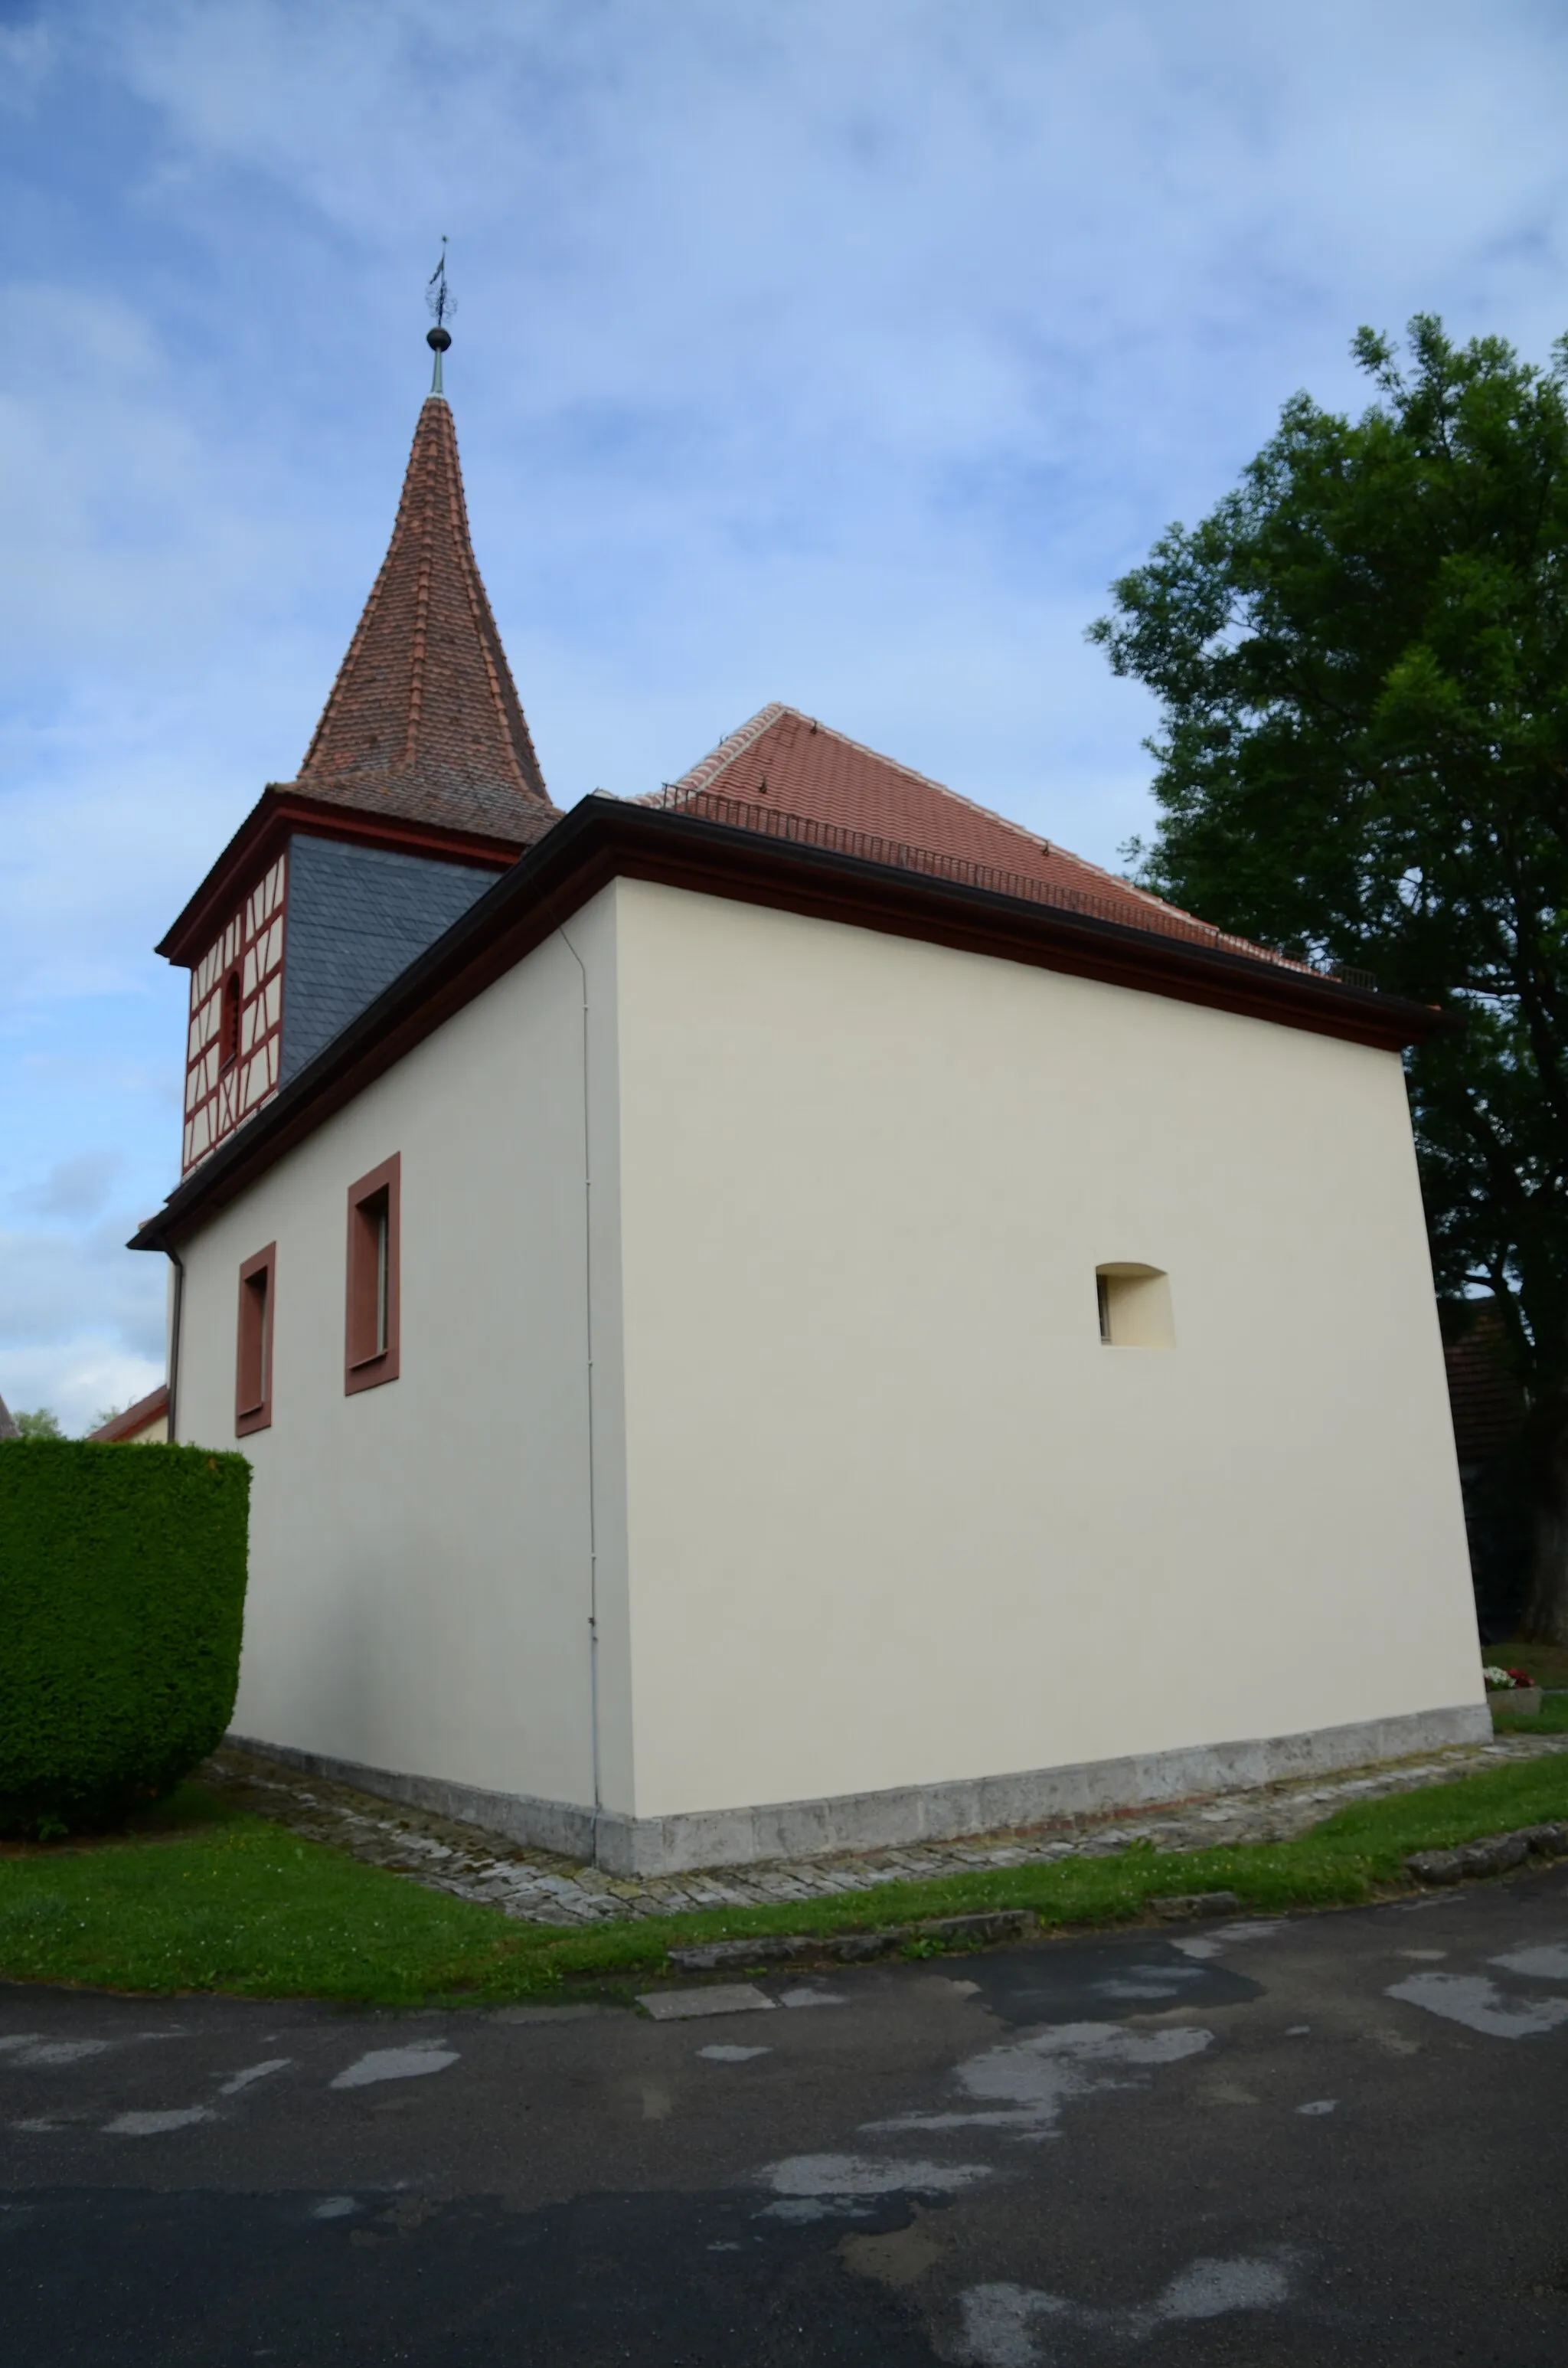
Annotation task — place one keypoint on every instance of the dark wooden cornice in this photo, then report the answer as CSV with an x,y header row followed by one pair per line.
x,y
276,814
604,839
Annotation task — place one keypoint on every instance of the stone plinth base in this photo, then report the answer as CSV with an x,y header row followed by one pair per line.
x,y
917,1812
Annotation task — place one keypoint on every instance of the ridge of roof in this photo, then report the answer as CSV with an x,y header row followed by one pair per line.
x,y
424,721
703,775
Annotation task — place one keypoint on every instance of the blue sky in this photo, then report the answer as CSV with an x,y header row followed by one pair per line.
x,y
839,351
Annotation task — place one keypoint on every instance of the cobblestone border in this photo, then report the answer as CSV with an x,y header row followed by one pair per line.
x,y
540,1887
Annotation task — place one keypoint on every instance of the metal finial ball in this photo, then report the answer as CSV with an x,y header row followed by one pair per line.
x,y
438,339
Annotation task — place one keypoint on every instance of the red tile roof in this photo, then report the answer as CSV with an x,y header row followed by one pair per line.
x,y
784,765
423,722
1483,1391
135,1418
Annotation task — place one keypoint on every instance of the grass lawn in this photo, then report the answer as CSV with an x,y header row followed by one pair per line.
x,y
1554,1719
199,1897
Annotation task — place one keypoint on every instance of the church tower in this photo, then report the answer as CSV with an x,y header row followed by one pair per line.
x,y
419,788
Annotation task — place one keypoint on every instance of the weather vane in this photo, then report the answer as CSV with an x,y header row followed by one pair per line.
x,y
442,304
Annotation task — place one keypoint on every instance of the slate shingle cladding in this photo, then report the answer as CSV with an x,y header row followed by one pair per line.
x,y
358,917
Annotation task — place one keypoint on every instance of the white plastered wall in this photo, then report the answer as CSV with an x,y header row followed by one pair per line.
x,y
896,1516
420,1553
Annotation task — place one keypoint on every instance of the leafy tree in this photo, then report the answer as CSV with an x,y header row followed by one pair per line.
x,y
42,1424
1362,660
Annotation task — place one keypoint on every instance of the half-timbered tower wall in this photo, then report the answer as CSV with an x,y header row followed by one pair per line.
x,y
327,927
237,1017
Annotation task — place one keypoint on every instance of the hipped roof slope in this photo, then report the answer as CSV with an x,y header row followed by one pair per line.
x,y
784,768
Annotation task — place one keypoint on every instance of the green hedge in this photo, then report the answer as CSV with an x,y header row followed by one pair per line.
x,y
122,1582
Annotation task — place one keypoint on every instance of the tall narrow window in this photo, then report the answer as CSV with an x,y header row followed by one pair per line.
x,y
253,1363
370,1348
231,1047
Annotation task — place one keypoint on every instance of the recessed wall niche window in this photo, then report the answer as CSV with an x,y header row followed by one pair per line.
x,y
253,1363
1135,1305
370,1348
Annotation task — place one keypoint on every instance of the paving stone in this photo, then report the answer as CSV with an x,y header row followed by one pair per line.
x,y
721,1997
762,1948
1178,1907
989,1924
864,1948
1495,1855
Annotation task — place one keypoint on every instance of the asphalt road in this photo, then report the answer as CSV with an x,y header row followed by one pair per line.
x,y
1321,2138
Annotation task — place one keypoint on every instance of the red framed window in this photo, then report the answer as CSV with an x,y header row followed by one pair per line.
x,y
252,1363
231,1046
371,1332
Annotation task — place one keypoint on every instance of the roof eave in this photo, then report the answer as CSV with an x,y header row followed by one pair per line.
x,y
605,838
278,813
133,1418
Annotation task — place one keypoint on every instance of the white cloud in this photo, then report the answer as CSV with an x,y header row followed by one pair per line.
x,y
74,1187
81,1321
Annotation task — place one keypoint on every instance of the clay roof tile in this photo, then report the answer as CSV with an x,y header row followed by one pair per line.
x,y
788,763
424,722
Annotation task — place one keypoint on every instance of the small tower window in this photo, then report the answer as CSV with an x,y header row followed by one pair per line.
x,y
231,1038
1134,1305
372,1333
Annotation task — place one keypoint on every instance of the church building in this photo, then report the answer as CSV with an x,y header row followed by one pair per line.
x,y
789,1313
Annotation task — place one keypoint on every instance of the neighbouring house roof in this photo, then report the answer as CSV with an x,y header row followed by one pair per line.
x,y
136,1419
1483,1391
945,901
7,1426
422,741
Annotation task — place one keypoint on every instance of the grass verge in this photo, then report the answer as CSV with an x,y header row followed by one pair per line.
x,y
232,1903
1554,1719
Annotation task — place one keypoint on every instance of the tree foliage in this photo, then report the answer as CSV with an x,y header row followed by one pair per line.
x,y
41,1423
1361,657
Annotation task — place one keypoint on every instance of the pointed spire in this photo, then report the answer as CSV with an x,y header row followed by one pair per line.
x,y
442,304
424,721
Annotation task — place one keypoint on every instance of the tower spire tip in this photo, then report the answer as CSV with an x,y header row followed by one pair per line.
x,y
442,304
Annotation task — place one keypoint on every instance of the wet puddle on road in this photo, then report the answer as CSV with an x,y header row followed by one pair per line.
x,y
1091,1983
